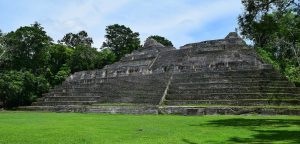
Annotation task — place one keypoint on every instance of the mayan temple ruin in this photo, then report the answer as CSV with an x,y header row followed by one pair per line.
x,y
222,76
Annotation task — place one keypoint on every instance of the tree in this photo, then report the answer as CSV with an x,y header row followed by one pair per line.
x,y
162,40
58,63
73,40
84,58
121,40
1,44
261,19
19,88
61,75
255,10
106,56
1,47
27,48
58,56
274,27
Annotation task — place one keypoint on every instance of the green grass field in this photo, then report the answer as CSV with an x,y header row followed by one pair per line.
x,y
71,128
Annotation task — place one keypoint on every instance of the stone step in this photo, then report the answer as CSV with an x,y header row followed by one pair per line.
x,y
199,67
240,102
179,110
37,108
128,83
112,91
139,57
246,73
229,110
115,81
110,87
233,96
141,109
121,95
84,94
55,103
114,109
132,80
130,86
70,98
230,84
115,88
152,89
187,91
134,92
60,89
153,77
130,100
227,75
133,64
136,96
296,89
238,79
121,98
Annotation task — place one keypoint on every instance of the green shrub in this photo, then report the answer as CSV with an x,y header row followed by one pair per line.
x,y
20,88
288,69
268,58
293,74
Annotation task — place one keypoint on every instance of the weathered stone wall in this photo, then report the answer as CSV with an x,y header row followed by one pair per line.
x,y
226,110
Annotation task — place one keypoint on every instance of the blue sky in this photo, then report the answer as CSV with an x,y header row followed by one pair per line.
x,y
181,21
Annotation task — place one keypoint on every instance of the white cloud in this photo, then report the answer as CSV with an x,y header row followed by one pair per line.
x,y
172,19
75,16
177,24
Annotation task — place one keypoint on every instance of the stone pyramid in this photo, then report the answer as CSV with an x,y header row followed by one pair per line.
x,y
222,76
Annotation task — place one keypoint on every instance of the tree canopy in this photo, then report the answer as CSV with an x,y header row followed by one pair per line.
x,y
260,18
1,45
30,63
274,27
84,58
21,87
27,48
73,40
121,40
162,40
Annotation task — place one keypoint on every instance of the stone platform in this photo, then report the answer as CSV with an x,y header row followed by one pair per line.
x,y
222,76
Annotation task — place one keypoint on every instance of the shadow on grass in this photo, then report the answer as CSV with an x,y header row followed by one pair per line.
x,y
188,141
239,122
269,135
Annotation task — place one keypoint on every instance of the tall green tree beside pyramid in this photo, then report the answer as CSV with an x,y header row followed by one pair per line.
x,y
274,27
121,40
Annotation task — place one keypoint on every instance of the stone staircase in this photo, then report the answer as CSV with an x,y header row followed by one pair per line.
x,y
233,88
232,92
146,89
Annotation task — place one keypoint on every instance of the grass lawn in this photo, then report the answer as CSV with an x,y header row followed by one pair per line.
x,y
70,128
